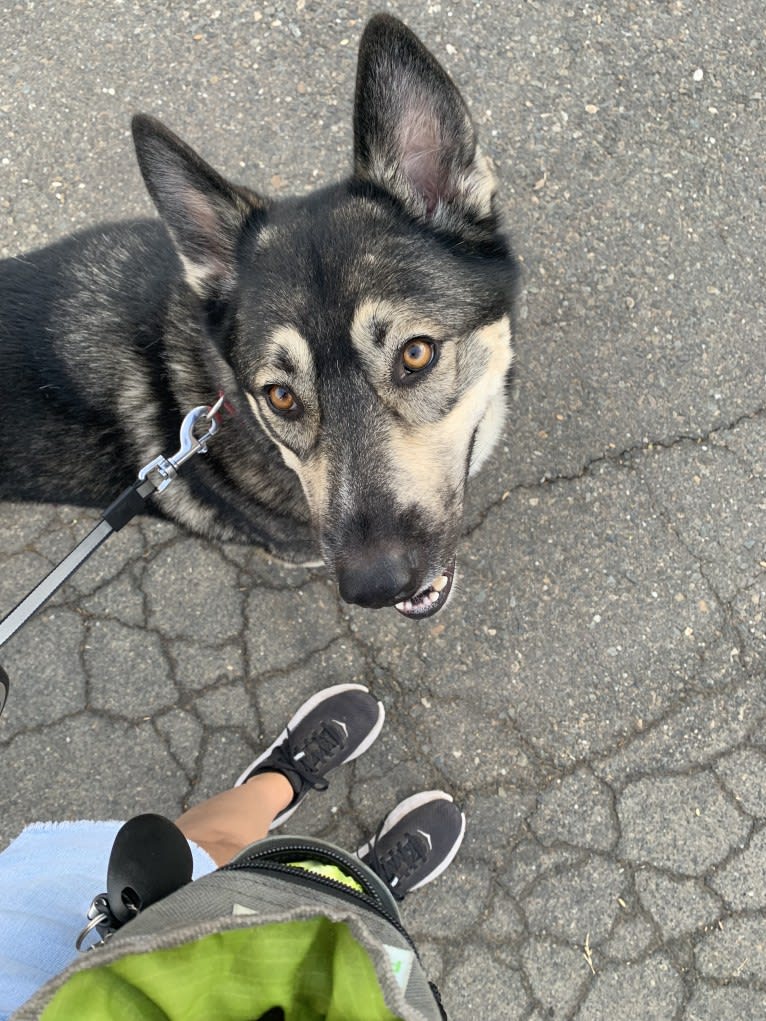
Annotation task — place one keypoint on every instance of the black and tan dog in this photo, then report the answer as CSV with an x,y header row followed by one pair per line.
x,y
361,333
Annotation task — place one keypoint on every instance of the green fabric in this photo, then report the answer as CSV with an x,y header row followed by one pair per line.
x,y
314,969
331,871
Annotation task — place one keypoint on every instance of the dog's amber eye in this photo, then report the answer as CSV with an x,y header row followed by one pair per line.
x,y
281,400
417,354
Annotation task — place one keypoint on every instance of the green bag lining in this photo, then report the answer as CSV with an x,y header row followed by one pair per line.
x,y
314,969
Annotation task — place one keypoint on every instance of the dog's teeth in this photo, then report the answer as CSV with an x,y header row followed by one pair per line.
x,y
434,596
440,583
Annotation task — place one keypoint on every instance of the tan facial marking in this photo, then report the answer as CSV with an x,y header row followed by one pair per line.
x,y
428,458
402,321
287,341
312,471
314,475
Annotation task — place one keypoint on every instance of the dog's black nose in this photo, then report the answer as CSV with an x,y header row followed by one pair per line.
x,y
377,577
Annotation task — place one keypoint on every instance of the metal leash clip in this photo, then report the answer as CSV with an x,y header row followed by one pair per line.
x,y
167,467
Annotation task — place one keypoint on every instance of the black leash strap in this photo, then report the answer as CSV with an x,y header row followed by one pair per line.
x,y
125,507
115,517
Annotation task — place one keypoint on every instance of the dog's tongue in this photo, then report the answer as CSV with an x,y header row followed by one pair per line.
x,y
431,599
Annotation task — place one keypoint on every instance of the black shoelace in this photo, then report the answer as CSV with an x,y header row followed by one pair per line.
x,y
400,861
320,746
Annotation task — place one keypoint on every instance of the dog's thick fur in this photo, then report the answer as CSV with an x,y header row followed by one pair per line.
x,y
321,304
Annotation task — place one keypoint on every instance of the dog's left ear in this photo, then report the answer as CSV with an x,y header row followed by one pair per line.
x,y
203,211
413,134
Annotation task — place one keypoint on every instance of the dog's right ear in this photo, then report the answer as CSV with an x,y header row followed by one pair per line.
x,y
203,211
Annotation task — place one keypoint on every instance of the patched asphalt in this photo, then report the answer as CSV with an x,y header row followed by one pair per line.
x,y
594,693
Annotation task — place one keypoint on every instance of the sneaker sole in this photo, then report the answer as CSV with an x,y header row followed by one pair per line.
x,y
305,709
404,808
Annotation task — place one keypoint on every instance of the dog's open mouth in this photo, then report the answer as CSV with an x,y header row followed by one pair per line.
x,y
432,598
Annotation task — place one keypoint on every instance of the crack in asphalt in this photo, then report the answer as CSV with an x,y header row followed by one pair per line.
x,y
624,458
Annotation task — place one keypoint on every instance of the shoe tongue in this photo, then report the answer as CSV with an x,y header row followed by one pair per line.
x,y
305,765
320,746
406,855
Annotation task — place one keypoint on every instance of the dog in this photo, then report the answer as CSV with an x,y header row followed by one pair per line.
x,y
361,335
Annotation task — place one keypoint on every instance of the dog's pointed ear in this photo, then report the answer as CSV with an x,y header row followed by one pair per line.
x,y
413,134
203,211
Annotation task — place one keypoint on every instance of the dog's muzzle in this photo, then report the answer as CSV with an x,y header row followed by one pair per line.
x,y
388,574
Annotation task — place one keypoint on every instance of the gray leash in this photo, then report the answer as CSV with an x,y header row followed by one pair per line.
x,y
154,477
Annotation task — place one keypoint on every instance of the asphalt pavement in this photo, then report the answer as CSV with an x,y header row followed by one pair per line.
x,y
594,693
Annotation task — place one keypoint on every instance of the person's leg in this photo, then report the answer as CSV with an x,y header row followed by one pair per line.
x,y
223,825
334,726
